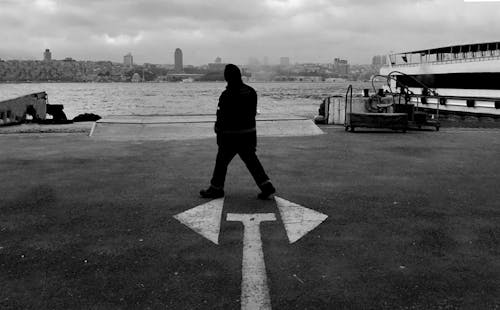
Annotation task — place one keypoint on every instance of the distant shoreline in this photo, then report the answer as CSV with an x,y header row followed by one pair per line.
x,y
178,82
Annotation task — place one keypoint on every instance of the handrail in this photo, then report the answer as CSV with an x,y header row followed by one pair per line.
x,y
349,89
408,92
449,61
414,79
456,97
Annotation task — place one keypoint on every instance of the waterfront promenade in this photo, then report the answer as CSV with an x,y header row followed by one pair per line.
x,y
413,222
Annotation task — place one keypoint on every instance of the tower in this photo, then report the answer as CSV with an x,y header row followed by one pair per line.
x,y
178,60
128,60
47,55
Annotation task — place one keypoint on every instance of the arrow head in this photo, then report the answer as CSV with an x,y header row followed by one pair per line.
x,y
298,220
204,219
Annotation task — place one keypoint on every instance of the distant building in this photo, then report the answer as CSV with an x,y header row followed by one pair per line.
x,y
136,78
217,65
379,60
253,62
128,60
47,55
340,66
284,61
178,60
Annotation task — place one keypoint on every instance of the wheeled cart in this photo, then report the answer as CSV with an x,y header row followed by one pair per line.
x,y
394,121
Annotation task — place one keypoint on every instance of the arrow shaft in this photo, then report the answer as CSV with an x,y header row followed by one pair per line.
x,y
254,289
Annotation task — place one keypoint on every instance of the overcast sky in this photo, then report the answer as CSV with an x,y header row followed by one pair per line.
x,y
304,30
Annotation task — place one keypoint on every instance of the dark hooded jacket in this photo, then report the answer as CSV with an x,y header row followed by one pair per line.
x,y
236,110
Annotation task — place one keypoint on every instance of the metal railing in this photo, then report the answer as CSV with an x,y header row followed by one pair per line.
x,y
449,61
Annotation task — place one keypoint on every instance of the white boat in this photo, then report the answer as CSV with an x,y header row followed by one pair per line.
x,y
463,79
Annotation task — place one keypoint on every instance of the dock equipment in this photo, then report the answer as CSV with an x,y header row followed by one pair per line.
x,y
403,102
416,119
394,121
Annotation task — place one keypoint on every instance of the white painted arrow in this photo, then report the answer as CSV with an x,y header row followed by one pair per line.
x,y
298,220
254,290
204,219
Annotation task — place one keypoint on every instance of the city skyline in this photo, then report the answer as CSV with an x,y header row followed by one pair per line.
x,y
304,31
178,61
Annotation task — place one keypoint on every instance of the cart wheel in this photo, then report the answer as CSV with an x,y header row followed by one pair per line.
x,y
437,128
352,129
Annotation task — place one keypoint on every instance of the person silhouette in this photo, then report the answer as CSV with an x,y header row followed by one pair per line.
x,y
237,134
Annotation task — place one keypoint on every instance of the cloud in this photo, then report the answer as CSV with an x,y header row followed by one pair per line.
x,y
315,31
47,5
122,39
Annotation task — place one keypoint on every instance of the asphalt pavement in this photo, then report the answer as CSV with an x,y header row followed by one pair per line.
x,y
413,222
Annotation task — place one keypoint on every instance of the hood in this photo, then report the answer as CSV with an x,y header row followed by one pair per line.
x,y
232,75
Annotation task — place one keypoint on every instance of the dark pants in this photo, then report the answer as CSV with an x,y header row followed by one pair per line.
x,y
226,153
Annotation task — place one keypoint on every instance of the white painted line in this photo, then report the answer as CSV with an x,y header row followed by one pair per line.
x,y
298,220
92,129
254,289
204,219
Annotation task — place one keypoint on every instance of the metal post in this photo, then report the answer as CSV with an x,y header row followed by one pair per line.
x,y
327,111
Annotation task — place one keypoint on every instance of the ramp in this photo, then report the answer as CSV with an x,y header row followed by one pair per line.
x,y
186,127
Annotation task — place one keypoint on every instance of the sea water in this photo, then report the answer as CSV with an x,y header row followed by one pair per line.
x,y
105,99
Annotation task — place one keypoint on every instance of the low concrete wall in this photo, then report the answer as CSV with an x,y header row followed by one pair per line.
x,y
14,111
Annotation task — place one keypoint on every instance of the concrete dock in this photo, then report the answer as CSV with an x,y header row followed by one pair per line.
x,y
187,127
413,222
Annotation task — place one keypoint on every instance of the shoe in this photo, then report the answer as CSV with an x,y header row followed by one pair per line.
x,y
212,192
267,190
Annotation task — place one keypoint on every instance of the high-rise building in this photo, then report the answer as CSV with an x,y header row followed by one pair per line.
x,y
47,55
379,60
178,60
128,60
284,61
341,66
217,65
